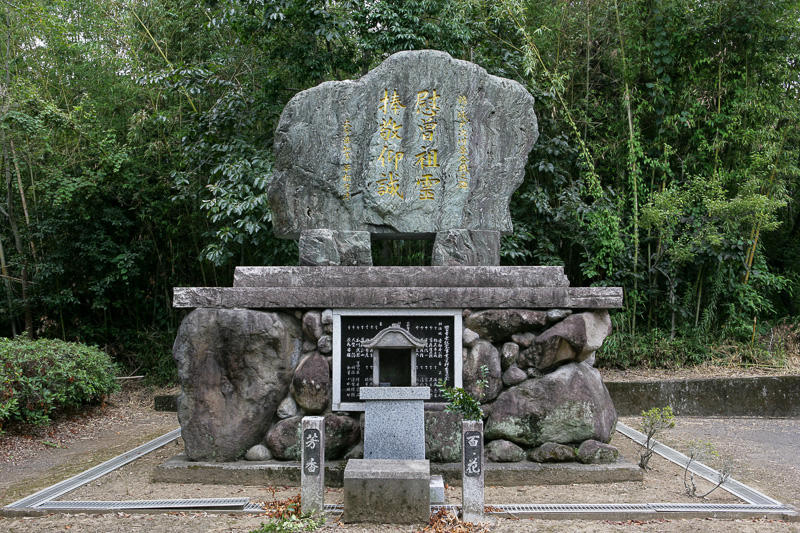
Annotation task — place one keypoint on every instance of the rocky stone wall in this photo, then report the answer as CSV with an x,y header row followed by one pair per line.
x,y
248,377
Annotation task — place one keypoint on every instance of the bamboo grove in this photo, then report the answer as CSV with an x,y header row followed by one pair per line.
x,y
136,148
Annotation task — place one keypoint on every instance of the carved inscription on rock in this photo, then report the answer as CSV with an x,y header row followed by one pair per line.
x,y
473,453
423,143
312,465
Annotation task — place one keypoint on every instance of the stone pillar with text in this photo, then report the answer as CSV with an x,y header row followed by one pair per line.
x,y
312,476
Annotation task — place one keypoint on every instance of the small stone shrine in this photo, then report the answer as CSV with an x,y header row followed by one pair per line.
x,y
423,146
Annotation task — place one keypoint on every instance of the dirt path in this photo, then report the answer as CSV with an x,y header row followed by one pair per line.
x,y
33,458
763,452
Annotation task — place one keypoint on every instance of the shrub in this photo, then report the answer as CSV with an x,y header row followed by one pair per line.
x,y
704,451
654,422
40,377
460,401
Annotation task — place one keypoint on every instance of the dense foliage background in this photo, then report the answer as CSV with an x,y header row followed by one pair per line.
x,y
136,147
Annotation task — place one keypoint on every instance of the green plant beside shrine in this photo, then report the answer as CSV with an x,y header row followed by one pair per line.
x,y
460,401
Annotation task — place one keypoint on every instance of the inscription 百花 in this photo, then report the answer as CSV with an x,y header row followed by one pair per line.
x,y
473,454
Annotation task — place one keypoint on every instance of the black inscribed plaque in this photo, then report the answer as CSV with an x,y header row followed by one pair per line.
x,y
434,361
472,453
311,452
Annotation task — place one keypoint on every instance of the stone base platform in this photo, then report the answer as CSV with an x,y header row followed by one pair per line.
x,y
387,491
179,469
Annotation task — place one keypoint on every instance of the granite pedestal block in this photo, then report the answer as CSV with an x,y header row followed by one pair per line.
x,y
387,491
437,490
394,422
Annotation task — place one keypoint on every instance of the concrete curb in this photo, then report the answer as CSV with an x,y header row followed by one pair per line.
x,y
179,469
776,397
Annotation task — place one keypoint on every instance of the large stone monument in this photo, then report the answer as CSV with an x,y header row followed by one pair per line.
x,y
424,146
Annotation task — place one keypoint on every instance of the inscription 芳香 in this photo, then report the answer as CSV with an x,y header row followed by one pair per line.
x,y
312,464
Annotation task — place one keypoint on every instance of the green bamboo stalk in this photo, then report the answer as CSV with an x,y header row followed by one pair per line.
x,y
634,170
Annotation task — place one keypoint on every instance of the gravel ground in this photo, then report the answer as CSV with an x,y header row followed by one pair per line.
x,y
763,453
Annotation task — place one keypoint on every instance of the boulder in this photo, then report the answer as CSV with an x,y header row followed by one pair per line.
x,y
546,353
593,452
287,408
468,337
585,332
443,436
325,344
524,339
311,385
534,373
552,452
554,315
514,376
317,247
503,451
234,366
283,439
312,325
327,321
509,354
568,405
259,452
497,325
423,143
573,339
483,353
356,452
341,434
309,347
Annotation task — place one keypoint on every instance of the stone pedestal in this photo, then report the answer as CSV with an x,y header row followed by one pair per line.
x,y
312,474
394,422
465,247
387,491
326,247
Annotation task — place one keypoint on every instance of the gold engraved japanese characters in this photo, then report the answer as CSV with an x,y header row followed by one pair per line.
x,y
390,130
462,174
389,156
391,103
426,108
389,185
425,184
346,153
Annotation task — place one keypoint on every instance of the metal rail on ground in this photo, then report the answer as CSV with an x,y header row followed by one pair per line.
x,y
205,504
59,489
759,505
736,488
